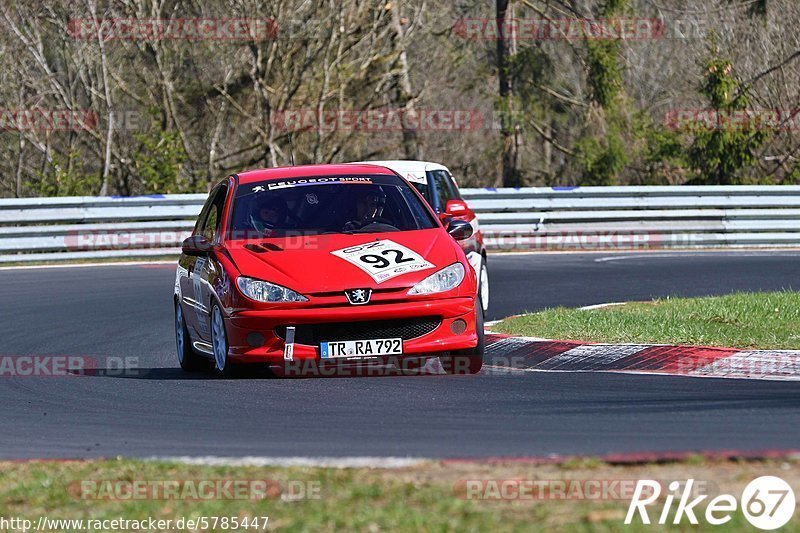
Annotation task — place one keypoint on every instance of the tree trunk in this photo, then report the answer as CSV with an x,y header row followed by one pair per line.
x,y
509,130
405,94
109,104
18,177
547,149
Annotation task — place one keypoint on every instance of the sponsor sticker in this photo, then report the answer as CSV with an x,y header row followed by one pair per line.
x,y
316,181
417,177
384,259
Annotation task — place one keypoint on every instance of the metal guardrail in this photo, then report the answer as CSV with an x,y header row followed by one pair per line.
x,y
537,218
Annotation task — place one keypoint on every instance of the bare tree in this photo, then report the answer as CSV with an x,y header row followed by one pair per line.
x,y
509,130
405,94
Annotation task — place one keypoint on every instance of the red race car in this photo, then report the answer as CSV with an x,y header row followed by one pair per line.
x,y
325,264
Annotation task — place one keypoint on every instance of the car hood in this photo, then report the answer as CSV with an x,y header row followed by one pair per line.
x,y
308,265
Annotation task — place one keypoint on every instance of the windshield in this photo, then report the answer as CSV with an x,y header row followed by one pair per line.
x,y
327,204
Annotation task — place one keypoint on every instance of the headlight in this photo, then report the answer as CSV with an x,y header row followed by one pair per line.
x,y
263,291
443,280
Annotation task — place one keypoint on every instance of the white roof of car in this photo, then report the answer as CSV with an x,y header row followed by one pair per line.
x,y
413,171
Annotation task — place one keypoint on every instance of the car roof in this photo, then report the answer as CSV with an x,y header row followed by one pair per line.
x,y
308,171
413,171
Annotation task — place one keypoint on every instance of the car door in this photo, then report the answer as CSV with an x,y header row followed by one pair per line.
x,y
192,270
185,287
206,267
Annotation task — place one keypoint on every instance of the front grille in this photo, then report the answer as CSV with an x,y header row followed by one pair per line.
x,y
406,329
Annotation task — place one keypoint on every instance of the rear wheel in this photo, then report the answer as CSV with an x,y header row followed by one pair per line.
x,y
188,359
468,361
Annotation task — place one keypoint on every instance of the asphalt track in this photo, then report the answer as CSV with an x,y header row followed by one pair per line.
x,y
125,311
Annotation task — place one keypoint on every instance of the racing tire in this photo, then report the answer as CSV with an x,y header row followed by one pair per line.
x,y
468,361
219,342
483,285
189,360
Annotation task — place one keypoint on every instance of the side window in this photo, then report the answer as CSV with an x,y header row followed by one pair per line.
x,y
444,188
209,229
453,186
211,217
203,216
423,189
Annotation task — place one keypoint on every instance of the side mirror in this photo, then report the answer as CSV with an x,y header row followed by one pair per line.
x,y
457,208
196,245
459,230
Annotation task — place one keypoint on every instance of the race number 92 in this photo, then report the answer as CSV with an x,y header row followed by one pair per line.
x,y
383,259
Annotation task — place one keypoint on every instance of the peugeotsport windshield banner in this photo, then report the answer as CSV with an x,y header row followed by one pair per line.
x,y
330,204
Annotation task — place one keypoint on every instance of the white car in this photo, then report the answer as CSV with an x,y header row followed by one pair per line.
x,y
439,187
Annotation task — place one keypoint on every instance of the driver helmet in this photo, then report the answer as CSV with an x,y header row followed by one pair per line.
x,y
371,203
268,213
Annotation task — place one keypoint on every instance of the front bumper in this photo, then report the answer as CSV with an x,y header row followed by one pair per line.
x,y
246,327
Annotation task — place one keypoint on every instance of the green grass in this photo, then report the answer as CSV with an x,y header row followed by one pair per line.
x,y
768,320
420,498
345,503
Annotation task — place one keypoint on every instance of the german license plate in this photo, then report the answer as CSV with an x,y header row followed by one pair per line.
x,y
365,348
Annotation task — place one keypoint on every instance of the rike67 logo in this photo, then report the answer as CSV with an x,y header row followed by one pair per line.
x,y
767,502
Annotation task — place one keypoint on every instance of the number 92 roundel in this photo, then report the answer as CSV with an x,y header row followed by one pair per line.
x,y
384,259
